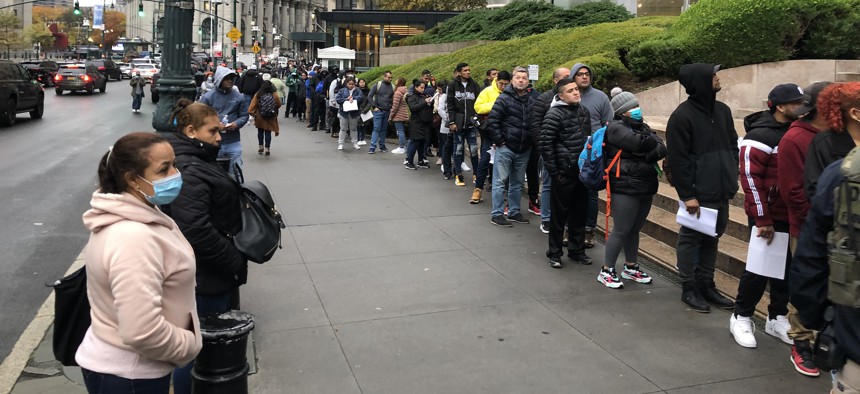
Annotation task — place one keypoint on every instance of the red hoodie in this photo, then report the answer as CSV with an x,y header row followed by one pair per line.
x,y
792,155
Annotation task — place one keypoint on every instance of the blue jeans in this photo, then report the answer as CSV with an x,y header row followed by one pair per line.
x,y
545,200
484,165
380,129
102,383
232,151
509,167
401,133
135,101
264,137
468,135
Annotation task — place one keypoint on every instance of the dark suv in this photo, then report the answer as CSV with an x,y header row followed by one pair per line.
x,y
108,68
75,77
19,92
44,71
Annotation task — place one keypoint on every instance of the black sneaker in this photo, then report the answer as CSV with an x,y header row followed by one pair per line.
x,y
423,164
518,218
409,166
448,176
555,262
500,221
383,149
580,258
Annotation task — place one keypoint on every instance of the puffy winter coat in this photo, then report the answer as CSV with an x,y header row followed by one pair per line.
x,y
641,149
759,169
509,123
399,109
207,213
565,129
539,109
421,120
827,147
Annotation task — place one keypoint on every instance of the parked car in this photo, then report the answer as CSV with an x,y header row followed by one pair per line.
x,y
146,70
75,77
44,71
125,69
19,92
107,67
153,92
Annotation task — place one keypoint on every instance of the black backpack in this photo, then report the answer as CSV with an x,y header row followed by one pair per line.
x,y
268,109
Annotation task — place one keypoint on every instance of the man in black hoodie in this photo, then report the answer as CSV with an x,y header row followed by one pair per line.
x,y
249,84
462,92
703,162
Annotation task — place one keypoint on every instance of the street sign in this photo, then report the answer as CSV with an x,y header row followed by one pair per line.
x,y
533,72
234,34
255,49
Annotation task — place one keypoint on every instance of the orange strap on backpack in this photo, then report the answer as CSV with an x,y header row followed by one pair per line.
x,y
616,161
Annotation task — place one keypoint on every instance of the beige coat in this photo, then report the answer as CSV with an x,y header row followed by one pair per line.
x,y
270,124
140,283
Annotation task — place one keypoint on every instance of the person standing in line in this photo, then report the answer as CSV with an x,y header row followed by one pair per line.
x,y
266,125
566,127
462,92
601,113
539,110
292,83
766,212
138,85
363,125
492,74
703,162
483,105
351,94
380,97
399,114
420,124
230,106
632,190
792,156
446,142
140,273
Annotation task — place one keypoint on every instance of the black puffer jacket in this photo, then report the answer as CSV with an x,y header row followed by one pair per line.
x,y
565,129
206,210
250,82
539,109
509,122
641,149
421,117
827,147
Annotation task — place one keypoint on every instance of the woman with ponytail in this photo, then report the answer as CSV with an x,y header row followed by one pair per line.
x,y
140,273
207,212
834,104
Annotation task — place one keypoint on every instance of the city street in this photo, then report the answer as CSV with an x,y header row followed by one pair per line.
x,y
389,281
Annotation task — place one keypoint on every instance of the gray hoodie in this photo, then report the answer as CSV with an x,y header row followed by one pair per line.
x,y
594,100
381,95
229,103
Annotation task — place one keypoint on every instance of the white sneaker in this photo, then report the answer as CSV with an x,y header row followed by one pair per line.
x,y
743,329
356,146
779,328
464,167
339,146
439,161
362,143
398,151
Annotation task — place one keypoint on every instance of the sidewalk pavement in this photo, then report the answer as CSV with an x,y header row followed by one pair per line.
x,y
389,281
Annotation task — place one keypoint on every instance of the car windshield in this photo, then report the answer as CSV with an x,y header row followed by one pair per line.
x,y
72,71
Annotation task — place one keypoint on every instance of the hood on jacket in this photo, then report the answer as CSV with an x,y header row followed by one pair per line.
x,y
698,79
184,145
761,119
220,74
578,66
494,86
108,209
800,123
558,102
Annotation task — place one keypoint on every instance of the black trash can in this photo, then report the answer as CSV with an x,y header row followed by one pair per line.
x,y
222,366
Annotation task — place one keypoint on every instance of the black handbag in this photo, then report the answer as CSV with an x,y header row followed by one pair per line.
x,y
71,315
261,223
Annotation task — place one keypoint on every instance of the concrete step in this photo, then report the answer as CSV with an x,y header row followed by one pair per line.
x,y
848,77
667,199
669,191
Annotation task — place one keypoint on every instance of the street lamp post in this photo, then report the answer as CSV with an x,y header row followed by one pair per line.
x,y
176,81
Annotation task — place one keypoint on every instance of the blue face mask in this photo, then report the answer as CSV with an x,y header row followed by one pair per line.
x,y
165,189
636,113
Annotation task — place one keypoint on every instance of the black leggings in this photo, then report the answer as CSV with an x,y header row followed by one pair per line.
x,y
628,217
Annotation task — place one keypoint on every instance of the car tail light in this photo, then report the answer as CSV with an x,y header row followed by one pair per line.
x,y
58,77
86,78
101,68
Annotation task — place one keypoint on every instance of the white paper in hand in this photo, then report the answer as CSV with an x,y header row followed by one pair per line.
x,y
350,106
706,223
492,153
367,116
767,260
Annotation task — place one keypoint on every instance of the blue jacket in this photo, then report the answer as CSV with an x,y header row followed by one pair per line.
x,y
230,103
341,98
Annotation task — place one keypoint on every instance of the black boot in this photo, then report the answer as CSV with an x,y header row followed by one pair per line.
x,y
709,292
690,295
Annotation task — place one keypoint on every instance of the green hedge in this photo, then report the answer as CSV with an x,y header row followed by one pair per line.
x,y
599,46
517,19
739,32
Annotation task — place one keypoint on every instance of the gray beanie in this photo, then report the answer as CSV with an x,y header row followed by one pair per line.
x,y
623,102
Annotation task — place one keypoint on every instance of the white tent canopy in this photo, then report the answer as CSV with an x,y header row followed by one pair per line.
x,y
339,55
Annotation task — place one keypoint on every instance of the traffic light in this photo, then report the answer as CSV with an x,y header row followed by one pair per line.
x,y
263,38
253,40
140,9
77,10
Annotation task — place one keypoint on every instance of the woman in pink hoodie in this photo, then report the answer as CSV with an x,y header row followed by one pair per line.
x,y
140,272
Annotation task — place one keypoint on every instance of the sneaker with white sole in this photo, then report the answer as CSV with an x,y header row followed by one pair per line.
x,y
778,328
634,273
356,146
339,146
743,329
544,227
398,151
609,278
362,143
464,167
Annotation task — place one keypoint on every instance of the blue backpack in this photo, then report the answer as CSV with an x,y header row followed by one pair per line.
x,y
593,168
319,87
